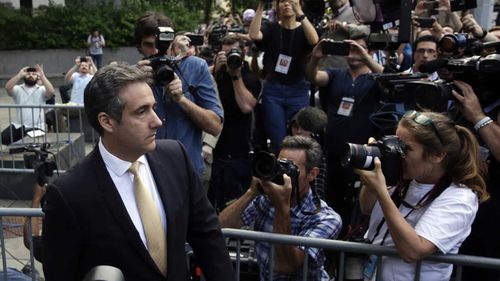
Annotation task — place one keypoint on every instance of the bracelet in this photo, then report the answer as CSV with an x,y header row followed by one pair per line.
x,y
485,32
301,17
483,122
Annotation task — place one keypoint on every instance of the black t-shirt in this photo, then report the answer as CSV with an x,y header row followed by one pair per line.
x,y
356,128
277,40
235,136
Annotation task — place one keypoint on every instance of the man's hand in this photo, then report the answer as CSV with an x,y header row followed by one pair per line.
x,y
357,51
470,25
145,65
468,103
38,193
174,89
317,52
23,71
39,70
220,60
280,195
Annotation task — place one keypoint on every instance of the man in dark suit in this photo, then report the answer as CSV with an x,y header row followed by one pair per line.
x,y
93,214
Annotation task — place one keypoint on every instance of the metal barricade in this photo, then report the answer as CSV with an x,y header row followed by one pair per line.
x,y
28,213
350,247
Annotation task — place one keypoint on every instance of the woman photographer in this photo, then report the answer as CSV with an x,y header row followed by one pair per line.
x,y
433,207
286,44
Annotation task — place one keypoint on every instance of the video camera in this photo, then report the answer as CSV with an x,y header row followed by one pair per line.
x,y
37,159
389,149
266,166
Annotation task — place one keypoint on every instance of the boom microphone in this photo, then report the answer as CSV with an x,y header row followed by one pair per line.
x,y
433,65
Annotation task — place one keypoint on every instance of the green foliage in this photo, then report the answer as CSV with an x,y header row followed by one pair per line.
x,y
57,26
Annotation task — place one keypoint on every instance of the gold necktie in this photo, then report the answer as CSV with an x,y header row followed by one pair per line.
x,y
151,222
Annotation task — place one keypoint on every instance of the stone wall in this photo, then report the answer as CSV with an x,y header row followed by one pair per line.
x,y
56,61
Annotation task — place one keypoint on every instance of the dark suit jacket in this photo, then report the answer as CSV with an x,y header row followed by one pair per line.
x,y
86,223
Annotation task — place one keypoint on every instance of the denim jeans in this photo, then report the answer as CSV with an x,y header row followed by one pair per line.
x,y
280,102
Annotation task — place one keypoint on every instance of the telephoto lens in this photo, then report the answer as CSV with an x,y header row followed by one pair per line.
x,y
389,149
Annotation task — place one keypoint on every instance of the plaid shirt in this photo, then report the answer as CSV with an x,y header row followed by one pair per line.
x,y
306,221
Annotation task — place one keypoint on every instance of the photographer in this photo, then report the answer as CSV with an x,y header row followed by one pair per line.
x,y
433,206
80,75
270,206
188,104
351,97
424,50
28,93
483,240
286,44
238,91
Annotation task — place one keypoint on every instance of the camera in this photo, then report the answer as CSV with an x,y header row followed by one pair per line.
x,y
425,22
329,47
83,59
218,32
38,160
389,149
266,166
234,58
31,69
196,39
164,37
163,68
462,5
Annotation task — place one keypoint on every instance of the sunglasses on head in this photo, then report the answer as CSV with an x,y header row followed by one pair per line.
x,y
421,119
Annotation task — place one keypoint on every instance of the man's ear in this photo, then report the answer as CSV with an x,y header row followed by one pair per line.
x,y
312,174
106,122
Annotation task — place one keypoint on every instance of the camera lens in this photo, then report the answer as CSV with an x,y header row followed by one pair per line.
x,y
264,165
164,75
359,156
234,59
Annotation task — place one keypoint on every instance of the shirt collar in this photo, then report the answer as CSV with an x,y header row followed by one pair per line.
x,y
306,206
114,164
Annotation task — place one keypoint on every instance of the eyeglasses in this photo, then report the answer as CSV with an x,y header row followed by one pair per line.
x,y
422,119
423,50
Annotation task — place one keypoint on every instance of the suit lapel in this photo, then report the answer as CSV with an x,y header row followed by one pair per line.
x,y
117,208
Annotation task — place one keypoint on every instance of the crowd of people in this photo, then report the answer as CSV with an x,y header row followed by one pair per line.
x,y
184,142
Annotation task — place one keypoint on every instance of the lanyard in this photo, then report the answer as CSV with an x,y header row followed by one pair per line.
x,y
379,227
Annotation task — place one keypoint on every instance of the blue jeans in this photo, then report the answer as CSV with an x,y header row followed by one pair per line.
x,y
280,102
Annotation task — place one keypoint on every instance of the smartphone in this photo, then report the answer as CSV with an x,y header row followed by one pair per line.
x,y
431,5
335,48
83,59
425,22
196,39
31,69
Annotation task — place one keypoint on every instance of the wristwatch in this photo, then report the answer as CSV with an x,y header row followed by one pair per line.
x,y
300,18
235,77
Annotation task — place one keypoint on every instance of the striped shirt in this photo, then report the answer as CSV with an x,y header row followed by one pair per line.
x,y
306,221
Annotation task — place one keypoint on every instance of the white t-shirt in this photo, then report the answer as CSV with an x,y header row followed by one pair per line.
x,y
446,222
79,83
29,117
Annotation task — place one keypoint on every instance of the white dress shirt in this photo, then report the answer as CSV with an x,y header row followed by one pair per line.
x,y
124,182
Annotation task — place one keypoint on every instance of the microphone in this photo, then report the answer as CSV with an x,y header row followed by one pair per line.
x,y
433,65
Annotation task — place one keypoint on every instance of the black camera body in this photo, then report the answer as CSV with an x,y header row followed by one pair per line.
x,y
389,149
266,166
337,48
163,68
218,32
234,58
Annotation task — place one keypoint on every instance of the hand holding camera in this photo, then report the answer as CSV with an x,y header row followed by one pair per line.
x,y
280,195
468,102
357,51
174,89
470,25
